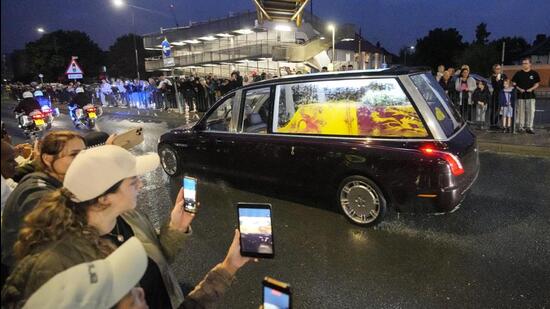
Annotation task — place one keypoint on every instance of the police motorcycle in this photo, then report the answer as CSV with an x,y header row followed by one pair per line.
x,y
86,115
48,112
33,123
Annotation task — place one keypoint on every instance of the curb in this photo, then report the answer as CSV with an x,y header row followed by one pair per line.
x,y
530,151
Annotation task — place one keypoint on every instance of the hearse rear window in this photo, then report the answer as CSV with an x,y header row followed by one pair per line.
x,y
359,107
444,112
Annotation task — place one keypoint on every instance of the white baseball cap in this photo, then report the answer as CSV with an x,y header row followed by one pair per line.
x,y
97,169
98,284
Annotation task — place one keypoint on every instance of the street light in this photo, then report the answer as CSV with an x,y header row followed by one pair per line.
x,y
120,4
40,30
333,29
411,49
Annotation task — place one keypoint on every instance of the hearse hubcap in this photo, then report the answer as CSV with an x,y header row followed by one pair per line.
x,y
360,202
169,161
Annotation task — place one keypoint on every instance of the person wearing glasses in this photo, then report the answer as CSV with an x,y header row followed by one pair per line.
x,y
526,81
497,81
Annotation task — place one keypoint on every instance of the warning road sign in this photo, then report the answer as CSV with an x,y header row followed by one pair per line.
x,y
74,68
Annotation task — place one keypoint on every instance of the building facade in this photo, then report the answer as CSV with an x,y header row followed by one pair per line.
x,y
240,43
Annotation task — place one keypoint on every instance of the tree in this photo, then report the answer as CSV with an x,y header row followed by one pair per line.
x,y
482,35
480,58
121,56
539,39
514,48
51,54
440,46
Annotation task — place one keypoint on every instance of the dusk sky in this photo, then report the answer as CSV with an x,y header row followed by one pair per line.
x,y
395,23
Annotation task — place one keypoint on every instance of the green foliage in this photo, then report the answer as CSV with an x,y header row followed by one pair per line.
x,y
121,56
480,58
482,35
51,54
513,49
440,46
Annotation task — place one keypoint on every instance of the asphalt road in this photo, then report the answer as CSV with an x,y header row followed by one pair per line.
x,y
493,252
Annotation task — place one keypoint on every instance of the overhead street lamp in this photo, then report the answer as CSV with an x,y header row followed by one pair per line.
x,y
40,30
120,4
411,49
332,28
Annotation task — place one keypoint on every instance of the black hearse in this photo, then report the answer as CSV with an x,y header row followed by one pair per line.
x,y
375,139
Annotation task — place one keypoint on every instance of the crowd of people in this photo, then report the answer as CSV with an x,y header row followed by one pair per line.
x,y
511,100
62,216
482,102
196,93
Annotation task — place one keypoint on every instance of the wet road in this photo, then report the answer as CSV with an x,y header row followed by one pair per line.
x,y
493,252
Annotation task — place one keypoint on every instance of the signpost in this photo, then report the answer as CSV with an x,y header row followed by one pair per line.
x,y
73,70
167,58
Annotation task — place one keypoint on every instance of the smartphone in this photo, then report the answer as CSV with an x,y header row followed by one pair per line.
x,y
255,228
276,294
129,138
190,194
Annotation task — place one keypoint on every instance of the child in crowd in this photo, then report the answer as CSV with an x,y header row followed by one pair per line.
x,y
506,100
481,99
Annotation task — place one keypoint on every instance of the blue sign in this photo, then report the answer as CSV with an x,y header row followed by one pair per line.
x,y
166,48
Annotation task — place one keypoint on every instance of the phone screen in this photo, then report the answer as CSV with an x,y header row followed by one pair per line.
x,y
255,229
275,299
190,194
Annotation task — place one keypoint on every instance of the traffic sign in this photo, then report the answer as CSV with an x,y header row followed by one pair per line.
x,y
166,48
74,68
74,76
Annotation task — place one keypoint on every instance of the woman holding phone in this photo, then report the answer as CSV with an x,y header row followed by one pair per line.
x,y
86,219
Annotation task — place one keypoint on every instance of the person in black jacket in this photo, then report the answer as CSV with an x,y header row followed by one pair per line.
x,y
202,96
481,99
79,101
28,104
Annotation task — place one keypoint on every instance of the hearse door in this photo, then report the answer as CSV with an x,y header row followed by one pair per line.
x,y
217,140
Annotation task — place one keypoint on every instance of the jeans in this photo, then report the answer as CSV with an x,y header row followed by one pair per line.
x,y
480,112
525,113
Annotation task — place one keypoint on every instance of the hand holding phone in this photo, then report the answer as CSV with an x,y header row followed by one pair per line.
x,y
276,294
255,229
179,219
190,194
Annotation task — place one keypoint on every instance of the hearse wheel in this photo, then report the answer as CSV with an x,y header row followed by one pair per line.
x,y
169,160
361,201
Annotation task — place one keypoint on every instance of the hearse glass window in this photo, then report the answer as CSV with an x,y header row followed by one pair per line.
x,y
438,102
256,110
361,107
220,119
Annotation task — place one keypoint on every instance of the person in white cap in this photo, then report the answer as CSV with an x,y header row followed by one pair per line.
x,y
101,283
93,211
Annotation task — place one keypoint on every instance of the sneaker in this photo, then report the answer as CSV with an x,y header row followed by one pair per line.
x,y
521,130
530,131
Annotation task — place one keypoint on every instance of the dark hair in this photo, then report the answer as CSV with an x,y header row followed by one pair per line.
x,y
462,70
526,58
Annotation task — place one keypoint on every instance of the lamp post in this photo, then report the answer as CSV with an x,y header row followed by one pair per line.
x,y
411,49
333,29
120,4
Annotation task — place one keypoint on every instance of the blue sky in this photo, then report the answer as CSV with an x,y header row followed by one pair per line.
x,y
395,23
